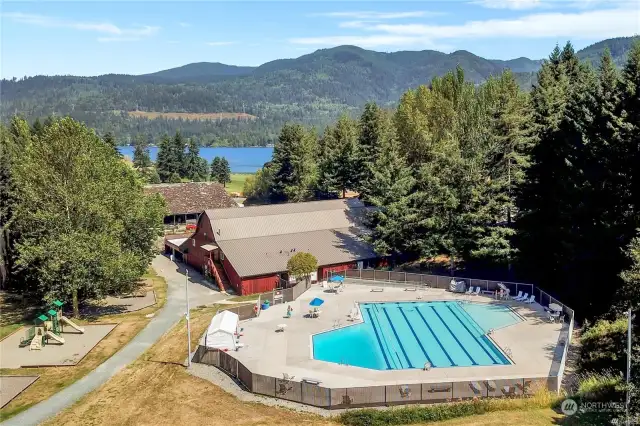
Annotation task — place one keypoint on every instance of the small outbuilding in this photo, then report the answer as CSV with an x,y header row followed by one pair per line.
x,y
222,331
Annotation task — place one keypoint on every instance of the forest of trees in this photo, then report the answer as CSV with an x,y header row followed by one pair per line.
x,y
544,185
175,164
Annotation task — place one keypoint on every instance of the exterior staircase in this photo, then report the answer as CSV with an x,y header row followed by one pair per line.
x,y
221,279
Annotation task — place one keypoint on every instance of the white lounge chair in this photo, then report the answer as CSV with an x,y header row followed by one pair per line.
x,y
477,292
469,291
475,387
353,316
520,299
530,300
518,296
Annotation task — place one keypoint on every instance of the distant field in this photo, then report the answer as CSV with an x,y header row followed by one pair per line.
x,y
237,182
191,116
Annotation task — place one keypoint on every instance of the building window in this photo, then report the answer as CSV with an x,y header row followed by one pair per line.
x,y
221,256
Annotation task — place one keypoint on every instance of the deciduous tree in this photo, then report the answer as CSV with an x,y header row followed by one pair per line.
x,y
86,227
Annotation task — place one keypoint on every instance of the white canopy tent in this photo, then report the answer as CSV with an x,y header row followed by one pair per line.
x,y
222,330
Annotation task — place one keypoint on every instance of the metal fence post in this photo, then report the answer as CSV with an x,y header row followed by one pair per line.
x,y
405,277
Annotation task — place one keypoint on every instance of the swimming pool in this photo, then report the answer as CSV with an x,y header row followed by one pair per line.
x,y
403,335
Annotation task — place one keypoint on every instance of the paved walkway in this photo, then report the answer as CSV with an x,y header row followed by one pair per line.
x,y
173,310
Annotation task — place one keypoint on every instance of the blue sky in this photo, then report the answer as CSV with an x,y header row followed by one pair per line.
x,y
91,37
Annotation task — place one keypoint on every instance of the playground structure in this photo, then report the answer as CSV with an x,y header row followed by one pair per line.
x,y
48,327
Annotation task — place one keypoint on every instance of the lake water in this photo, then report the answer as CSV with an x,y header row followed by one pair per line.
x,y
241,160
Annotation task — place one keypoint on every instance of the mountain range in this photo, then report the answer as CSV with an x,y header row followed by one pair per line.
x,y
313,89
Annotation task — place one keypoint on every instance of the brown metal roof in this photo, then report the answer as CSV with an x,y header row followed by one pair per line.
x,y
192,197
292,218
259,240
269,254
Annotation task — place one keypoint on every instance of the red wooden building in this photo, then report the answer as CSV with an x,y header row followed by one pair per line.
x,y
248,248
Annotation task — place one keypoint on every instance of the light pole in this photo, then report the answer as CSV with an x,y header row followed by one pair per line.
x,y
188,317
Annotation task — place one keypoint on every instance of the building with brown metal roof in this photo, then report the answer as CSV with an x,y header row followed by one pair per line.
x,y
188,200
248,248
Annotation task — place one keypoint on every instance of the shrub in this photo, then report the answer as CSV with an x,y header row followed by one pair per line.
x,y
441,412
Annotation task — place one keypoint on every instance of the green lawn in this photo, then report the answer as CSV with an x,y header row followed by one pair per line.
x,y
237,182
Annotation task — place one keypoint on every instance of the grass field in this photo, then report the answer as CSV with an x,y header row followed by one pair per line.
x,y
54,379
156,390
190,115
237,182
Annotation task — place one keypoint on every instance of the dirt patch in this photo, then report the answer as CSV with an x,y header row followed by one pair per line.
x,y
191,115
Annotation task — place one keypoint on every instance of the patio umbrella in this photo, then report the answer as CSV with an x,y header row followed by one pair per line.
x,y
336,279
316,302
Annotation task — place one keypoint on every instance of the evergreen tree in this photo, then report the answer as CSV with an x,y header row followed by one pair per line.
x,y
336,171
506,159
192,165
177,150
110,140
165,162
629,113
174,178
294,157
374,130
152,176
554,186
225,172
141,158
37,127
216,169
13,141
395,217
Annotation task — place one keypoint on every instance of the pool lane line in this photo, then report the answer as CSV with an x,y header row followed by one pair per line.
x,y
468,316
416,336
474,337
378,337
473,361
386,340
397,338
453,364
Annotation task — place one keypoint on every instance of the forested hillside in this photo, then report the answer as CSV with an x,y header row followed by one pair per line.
x,y
313,89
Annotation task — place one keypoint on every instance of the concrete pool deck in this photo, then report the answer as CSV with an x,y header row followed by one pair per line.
x,y
533,343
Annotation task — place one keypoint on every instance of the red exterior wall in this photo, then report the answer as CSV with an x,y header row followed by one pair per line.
x,y
263,284
323,271
234,278
196,256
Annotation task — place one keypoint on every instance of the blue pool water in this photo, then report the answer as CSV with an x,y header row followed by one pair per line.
x,y
402,335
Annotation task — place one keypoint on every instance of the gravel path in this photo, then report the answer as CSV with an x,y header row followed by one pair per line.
x,y
164,319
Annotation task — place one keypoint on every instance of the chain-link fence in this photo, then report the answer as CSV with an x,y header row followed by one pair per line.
x,y
309,391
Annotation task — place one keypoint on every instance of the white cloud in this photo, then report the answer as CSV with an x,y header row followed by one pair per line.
x,y
576,24
114,32
586,24
379,15
221,43
509,4
371,41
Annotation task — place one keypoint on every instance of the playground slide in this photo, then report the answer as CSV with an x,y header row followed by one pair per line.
x,y
36,343
55,337
71,324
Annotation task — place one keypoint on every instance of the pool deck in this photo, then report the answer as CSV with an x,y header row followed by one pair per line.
x,y
535,352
